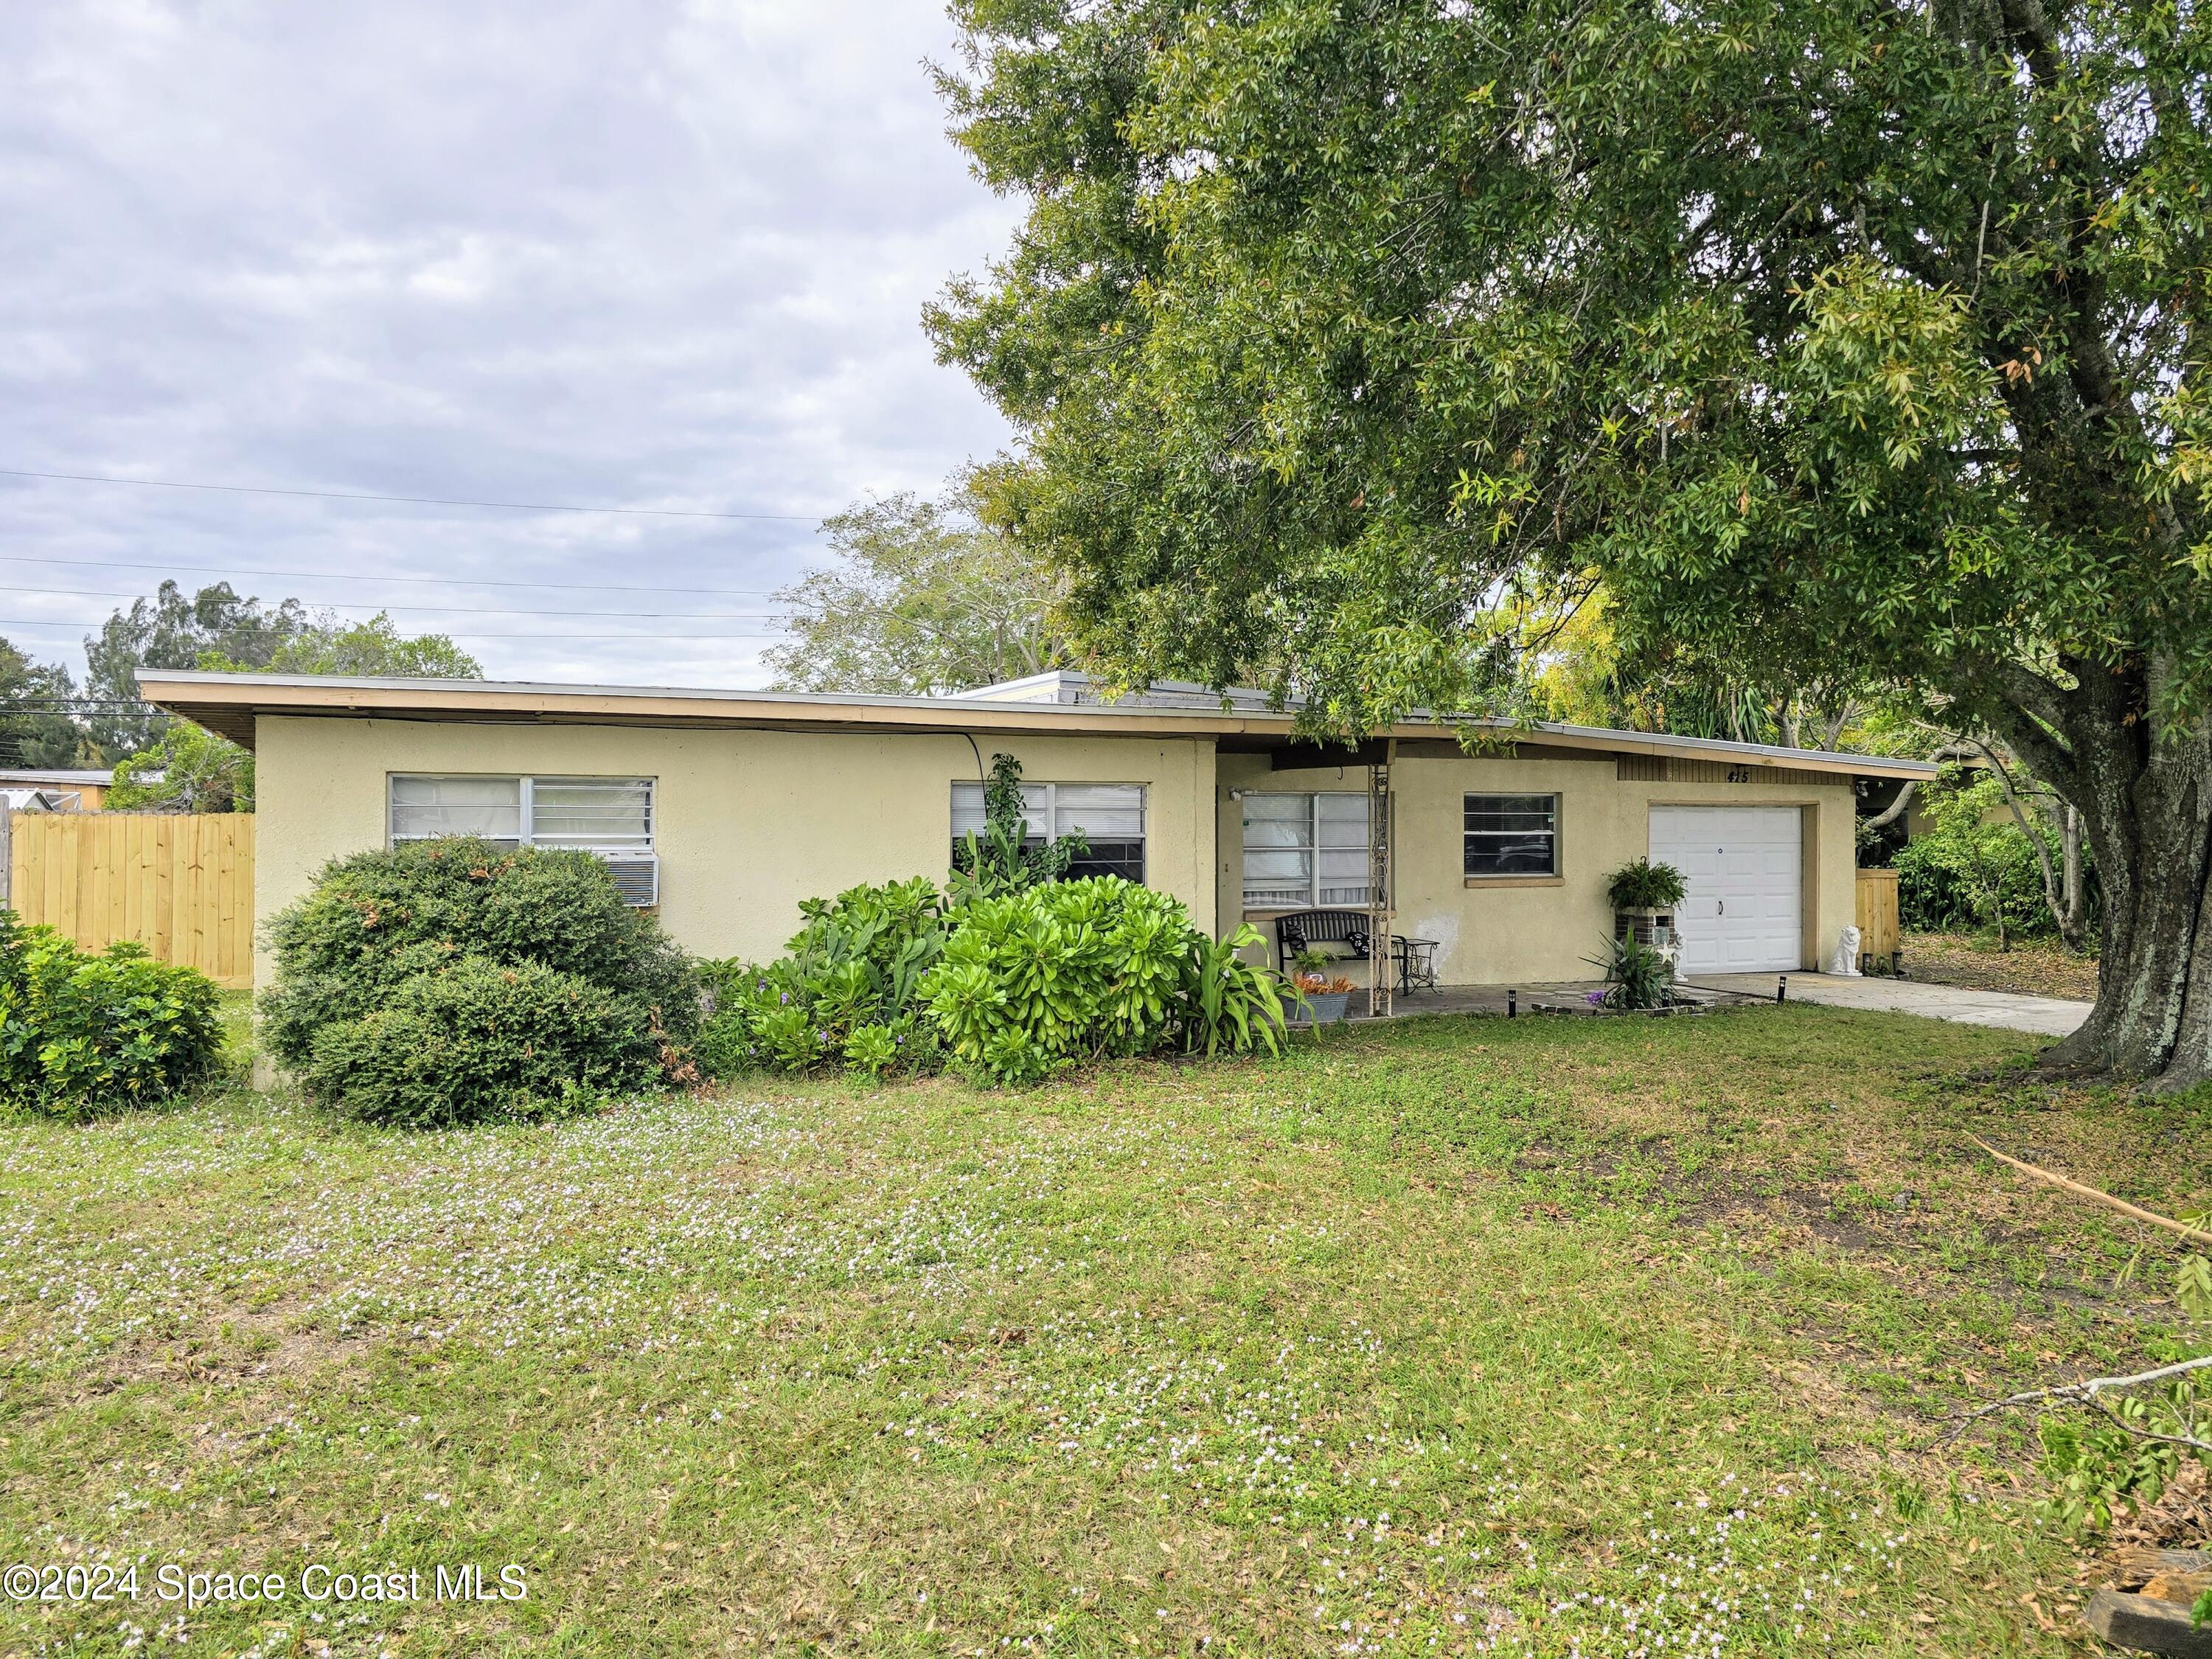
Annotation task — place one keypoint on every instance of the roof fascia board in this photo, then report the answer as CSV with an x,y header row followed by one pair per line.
x,y
227,700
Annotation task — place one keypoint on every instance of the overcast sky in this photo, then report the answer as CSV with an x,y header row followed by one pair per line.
x,y
595,251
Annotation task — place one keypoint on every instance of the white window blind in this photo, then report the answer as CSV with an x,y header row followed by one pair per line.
x,y
1305,852
612,816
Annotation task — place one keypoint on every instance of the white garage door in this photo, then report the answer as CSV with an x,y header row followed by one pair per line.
x,y
1742,865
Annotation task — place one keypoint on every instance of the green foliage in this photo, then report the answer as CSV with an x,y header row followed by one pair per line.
x,y
1234,1006
844,994
1976,866
924,599
172,630
1001,860
372,649
80,1032
2128,1446
188,769
214,628
1006,987
477,1040
1837,345
1036,980
1637,975
1644,885
2097,1465
379,928
31,733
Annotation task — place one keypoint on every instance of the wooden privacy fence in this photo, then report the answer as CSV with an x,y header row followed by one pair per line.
x,y
1877,907
181,885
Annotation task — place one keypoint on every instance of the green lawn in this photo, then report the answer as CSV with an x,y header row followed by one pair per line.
x,y
1543,1336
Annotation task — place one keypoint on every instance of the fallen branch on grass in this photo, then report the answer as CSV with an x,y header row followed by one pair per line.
x,y
2085,1393
2105,1199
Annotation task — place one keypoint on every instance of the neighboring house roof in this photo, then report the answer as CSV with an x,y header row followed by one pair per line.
x,y
230,704
41,777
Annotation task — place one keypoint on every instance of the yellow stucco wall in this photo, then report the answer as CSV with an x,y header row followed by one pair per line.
x,y
750,823
1498,931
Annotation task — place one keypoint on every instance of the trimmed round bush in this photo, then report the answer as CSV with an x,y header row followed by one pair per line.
x,y
388,1000
85,1032
479,1040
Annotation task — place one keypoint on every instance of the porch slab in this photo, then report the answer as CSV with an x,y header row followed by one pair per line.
x,y
2046,1016
1480,999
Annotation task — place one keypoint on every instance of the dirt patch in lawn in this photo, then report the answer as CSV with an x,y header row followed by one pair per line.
x,y
2039,968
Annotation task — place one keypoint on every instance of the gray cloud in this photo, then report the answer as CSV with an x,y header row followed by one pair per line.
x,y
617,251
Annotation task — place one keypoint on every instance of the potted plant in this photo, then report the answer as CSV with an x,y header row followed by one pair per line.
x,y
1326,994
1643,895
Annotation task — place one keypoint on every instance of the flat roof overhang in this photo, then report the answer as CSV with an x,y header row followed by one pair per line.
x,y
230,704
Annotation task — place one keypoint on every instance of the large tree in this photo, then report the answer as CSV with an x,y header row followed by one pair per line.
x,y
214,628
922,598
1860,340
172,630
36,728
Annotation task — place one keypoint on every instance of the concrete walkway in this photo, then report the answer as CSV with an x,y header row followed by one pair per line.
x,y
2049,1015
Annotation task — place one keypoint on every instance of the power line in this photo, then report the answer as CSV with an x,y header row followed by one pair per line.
x,y
646,634
465,610
443,581
411,500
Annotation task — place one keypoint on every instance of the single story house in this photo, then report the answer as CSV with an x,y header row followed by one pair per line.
x,y
725,809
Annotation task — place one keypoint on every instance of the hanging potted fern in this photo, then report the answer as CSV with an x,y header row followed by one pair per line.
x,y
1644,897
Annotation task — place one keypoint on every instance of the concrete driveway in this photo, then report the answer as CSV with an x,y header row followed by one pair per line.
x,y
2049,1015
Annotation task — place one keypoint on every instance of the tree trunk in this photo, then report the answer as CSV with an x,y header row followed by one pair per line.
x,y
2073,908
2147,811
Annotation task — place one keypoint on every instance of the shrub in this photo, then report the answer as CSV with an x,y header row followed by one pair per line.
x,y
1038,980
1951,884
478,1040
843,995
1006,987
1637,975
381,931
80,1031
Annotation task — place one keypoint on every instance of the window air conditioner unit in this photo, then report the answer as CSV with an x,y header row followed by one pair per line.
x,y
637,878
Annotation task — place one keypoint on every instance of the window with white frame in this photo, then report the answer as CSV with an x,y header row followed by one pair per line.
x,y
1512,835
1111,817
1305,852
612,816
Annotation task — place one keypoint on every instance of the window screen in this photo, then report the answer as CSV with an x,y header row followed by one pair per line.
x,y
601,814
1109,815
598,815
490,807
1305,852
1512,835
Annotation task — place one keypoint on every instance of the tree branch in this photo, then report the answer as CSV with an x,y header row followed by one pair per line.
x,y
2195,1234
2083,1392
1895,810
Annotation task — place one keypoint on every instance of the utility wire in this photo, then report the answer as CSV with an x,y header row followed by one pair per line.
x,y
465,610
344,576
412,501
643,634
228,571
